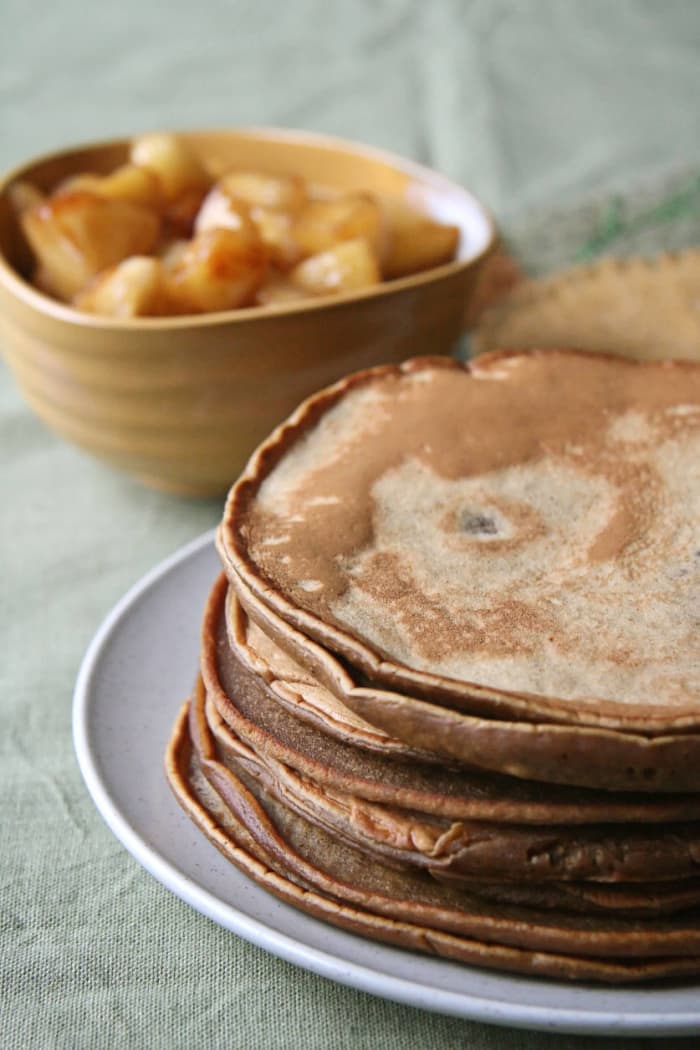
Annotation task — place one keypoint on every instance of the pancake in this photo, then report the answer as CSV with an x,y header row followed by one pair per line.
x,y
400,812
515,538
246,702
642,899
645,308
448,691
296,689
301,694
547,752
230,836
310,870
468,850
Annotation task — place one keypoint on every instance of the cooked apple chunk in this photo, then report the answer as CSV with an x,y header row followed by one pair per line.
x,y
222,238
219,269
76,235
278,290
323,224
270,202
127,183
132,288
23,196
175,164
221,211
280,192
347,267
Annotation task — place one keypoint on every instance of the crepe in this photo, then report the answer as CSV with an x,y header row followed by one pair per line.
x,y
477,849
312,872
296,688
637,307
448,690
515,539
547,752
388,810
249,704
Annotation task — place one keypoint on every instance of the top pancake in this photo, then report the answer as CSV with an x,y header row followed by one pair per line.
x,y
517,537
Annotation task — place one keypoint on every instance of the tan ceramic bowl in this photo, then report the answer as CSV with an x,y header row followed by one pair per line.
x,y
181,402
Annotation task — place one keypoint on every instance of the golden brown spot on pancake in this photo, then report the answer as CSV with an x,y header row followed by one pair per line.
x,y
639,498
511,626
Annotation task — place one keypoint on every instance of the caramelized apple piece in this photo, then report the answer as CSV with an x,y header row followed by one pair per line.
x,y
84,181
279,192
170,252
132,288
279,291
75,235
175,164
220,210
277,231
347,267
416,241
181,214
133,183
270,201
250,237
23,196
322,224
220,269
127,183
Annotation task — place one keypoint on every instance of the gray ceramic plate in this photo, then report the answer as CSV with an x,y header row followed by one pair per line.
x,y
136,673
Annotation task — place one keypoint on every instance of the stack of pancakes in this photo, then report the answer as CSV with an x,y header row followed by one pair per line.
x,y
449,677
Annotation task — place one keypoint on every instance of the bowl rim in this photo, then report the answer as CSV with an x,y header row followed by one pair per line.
x,y
16,285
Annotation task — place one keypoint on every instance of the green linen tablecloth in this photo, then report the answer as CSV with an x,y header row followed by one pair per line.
x,y
578,124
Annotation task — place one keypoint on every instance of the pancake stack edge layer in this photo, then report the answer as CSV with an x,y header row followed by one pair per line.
x,y
449,680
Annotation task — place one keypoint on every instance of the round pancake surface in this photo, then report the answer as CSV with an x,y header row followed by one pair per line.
x,y
516,537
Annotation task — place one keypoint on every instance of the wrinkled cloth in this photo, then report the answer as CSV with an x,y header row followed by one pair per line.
x,y
577,123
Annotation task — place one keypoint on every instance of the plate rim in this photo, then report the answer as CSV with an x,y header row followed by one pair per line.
x,y
363,977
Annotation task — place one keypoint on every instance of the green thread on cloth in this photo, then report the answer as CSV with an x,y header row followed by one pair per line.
x,y
613,224
655,215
